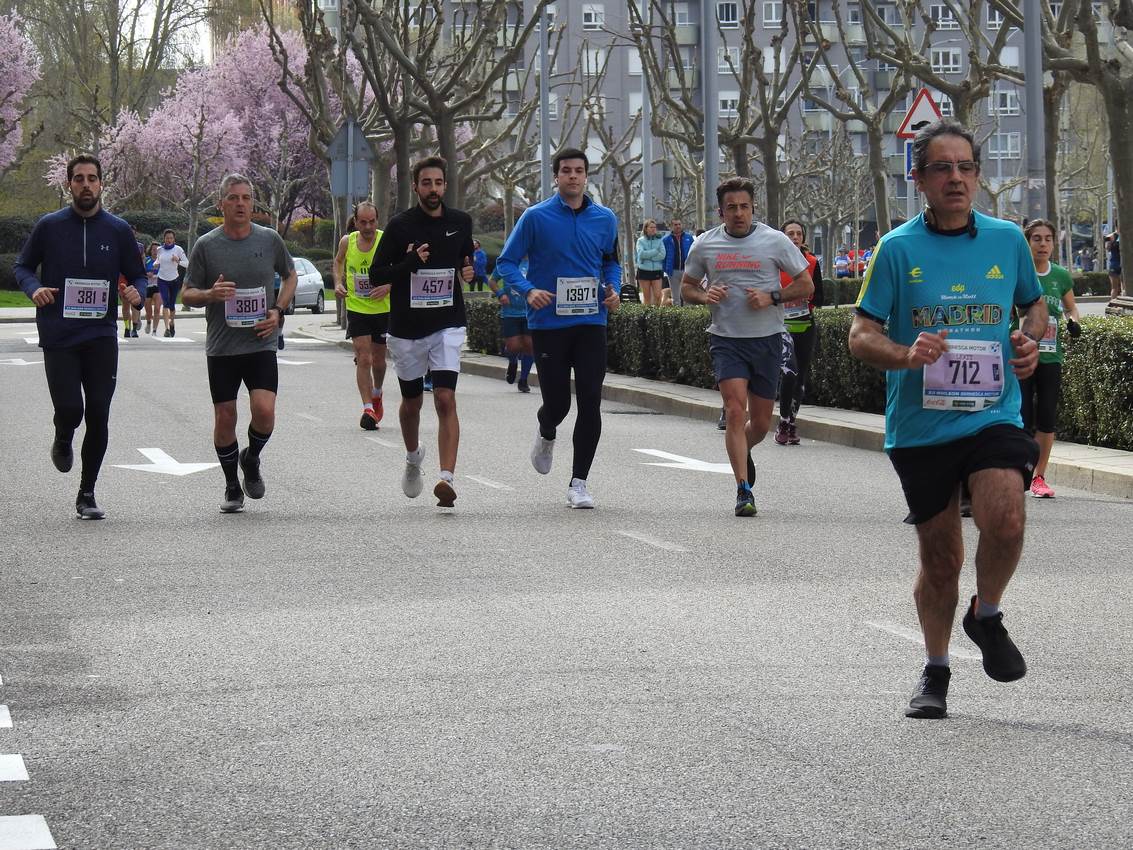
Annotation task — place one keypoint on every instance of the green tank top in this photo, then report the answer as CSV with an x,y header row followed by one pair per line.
x,y
357,272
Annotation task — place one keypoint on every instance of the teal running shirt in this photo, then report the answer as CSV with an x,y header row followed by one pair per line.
x,y
924,281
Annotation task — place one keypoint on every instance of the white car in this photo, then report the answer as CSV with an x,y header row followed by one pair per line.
x,y
309,289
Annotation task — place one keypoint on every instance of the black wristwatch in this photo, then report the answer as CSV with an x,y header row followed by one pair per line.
x,y
281,311
776,297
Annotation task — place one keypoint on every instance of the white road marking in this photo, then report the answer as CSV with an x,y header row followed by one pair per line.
x,y
175,339
917,638
5,717
389,444
12,768
681,462
19,361
487,482
294,362
163,463
303,340
25,832
31,340
307,416
653,541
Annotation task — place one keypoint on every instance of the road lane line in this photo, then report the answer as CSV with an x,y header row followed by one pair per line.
x,y
487,482
25,832
12,768
5,717
389,444
306,416
917,638
655,542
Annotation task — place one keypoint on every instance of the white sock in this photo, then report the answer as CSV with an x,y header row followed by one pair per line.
x,y
368,406
414,456
446,476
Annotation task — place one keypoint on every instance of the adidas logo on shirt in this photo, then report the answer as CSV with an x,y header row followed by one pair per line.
x,y
994,273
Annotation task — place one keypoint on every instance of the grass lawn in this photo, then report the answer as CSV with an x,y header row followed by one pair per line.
x,y
14,298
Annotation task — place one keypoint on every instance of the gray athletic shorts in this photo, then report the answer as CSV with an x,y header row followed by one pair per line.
x,y
756,359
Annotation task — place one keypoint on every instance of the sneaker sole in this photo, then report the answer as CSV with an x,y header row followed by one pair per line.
x,y
926,712
583,507
224,509
446,496
746,511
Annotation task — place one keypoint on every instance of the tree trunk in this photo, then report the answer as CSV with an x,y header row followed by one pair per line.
x,y
401,143
1052,113
446,142
740,160
769,148
1117,92
880,176
509,208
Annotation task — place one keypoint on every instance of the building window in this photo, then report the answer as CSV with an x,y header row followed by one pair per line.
x,y
810,105
729,104
1003,102
773,14
994,18
946,60
1004,145
633,63
727,59
944,104
593,61
853,14
552,106
1055,10
728,14
681,16
943,16
593,16
328,4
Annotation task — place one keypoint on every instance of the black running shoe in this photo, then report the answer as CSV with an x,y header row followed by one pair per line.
x,y
253,481
1002,659
511,366
172,330
62,455
233,499
930,696
86,508
745,501
523,386
722,422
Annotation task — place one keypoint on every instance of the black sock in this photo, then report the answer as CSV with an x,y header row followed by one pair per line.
x,y
256,441
229,457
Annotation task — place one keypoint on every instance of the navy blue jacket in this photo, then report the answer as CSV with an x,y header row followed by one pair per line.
x,y
64,244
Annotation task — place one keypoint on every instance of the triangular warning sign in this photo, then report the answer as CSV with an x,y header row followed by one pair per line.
x,y
923,112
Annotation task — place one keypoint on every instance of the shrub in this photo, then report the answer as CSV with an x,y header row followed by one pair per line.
x,y
314,254
483,325
7,272
836,378
14,232
1096,406
326,269
1091,283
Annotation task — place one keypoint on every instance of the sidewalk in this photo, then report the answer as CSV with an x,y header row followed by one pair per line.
x,y
1104,472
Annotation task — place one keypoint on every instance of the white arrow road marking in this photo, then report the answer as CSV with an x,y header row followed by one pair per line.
x,y
25,832
173,339
304,340
917,638
12,768
19,361
5,717
31,340
294,362
487,482
681,462
655,542
161,462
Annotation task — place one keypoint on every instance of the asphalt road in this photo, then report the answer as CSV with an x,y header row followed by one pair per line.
x,y
341,667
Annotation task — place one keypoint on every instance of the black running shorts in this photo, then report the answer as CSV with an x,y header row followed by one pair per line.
x,y
930,474
373,325
257,371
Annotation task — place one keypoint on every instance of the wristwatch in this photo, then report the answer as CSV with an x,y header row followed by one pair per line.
x,y
776,297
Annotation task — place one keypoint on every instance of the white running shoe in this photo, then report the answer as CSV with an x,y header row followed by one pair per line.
x,y
577,494
542,453
411,483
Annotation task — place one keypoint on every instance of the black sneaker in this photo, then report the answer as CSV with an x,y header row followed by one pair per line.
x,y
745,501
125,333
930,696
511,366
167,334
62,455
253,481
523,386
172,329
1002,659
233,499
722,422
86,508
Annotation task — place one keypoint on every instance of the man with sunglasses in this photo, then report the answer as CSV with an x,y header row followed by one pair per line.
x,y
935,313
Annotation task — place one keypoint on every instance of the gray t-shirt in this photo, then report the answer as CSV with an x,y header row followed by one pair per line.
x,y
251,262
751,262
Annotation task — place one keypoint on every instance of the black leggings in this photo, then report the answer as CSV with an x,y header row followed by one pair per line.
x,y
793,387
583,348
90,370
1040,398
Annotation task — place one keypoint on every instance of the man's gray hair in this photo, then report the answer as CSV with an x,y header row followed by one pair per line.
x,y
944,127
231,180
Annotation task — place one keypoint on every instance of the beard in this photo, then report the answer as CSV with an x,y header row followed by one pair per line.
x,y
86,202
431,202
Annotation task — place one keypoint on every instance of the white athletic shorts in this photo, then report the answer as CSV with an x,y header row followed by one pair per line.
x,y
439,351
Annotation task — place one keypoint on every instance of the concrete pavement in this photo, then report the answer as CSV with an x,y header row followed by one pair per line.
x,y
1107,472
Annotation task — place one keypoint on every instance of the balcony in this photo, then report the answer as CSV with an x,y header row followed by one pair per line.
x,y
687,35
819,122
829,32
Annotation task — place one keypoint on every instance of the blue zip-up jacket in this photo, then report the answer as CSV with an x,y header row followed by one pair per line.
x,y
671,252
480,264
650,255
63,244
561,242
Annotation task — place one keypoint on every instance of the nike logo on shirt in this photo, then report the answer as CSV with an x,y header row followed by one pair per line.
x,y
451,233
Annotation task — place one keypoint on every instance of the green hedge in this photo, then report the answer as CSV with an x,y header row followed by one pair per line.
x,y
843,290
14,230
1091,283
7,273
669,343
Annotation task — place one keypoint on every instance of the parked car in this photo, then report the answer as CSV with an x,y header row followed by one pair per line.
x,y
309,289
